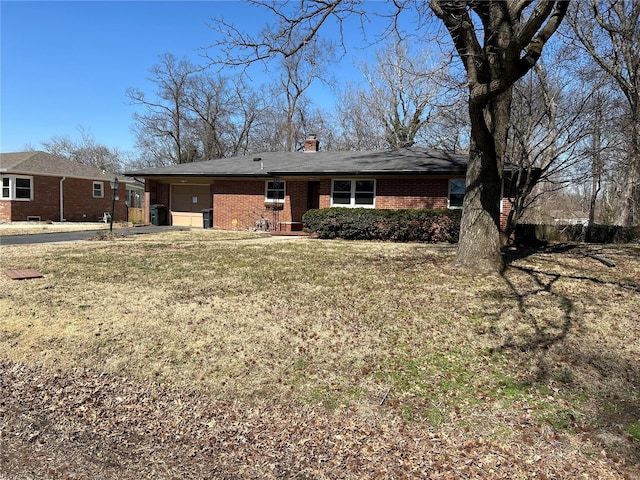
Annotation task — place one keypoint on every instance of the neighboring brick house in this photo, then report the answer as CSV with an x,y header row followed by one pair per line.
x,y
46,187
278,188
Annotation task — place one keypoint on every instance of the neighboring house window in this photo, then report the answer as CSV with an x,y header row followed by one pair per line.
x,y
456,193
6,188
274,191
17,188
98,189
353,193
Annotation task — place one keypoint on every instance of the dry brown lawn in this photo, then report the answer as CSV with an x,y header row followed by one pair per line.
x,y
208,354
32,228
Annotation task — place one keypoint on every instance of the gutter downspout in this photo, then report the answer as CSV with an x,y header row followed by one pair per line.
x,y
62,199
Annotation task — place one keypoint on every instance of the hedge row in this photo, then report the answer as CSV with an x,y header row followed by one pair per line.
x,y
431,226
577,233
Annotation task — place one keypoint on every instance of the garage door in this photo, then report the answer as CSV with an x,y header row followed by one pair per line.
x,y
187,203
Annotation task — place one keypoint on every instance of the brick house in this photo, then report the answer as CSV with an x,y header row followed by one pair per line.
x,y
46,187
273,190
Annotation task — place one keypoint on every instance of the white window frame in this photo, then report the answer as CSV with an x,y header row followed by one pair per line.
x,y
352,198
267,190
8,186
13,188
101,185
451,180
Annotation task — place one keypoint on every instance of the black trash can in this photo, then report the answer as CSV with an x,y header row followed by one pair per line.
x,y
158,214
207,218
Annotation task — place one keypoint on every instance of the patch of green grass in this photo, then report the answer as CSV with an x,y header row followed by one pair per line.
x,y
633,430
509,387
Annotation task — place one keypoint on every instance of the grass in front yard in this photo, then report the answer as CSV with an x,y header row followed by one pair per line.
x,y
379,328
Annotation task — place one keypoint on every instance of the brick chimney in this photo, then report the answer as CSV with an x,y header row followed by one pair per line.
x,y
311,144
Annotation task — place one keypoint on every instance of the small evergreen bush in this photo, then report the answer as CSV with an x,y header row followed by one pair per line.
x,y
424,225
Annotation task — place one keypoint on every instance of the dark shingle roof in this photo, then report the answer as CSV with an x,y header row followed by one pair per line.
x,y
42,163
396,162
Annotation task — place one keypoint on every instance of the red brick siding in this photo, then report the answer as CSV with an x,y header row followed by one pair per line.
x,y
325,193
412,193
401,193
238,204
79,204
506,208
5,210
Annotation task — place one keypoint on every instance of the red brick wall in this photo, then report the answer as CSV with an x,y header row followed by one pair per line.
x,y
412,193
401,193
238,204
5,210
506,208
79,204
325,193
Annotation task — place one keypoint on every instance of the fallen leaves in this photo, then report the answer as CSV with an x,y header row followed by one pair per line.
x,y
84,424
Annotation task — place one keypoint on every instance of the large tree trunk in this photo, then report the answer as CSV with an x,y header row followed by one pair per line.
x,y
479,247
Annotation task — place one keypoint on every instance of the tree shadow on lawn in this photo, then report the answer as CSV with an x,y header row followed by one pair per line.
x,y
553,334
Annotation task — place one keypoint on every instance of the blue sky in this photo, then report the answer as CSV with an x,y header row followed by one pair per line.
x,y
66,65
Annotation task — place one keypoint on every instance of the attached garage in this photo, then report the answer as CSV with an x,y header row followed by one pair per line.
x,y
187,203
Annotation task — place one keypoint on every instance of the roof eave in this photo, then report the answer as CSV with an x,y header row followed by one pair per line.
x,y
360,173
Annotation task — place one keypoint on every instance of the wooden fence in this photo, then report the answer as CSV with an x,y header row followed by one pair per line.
x,y
136,215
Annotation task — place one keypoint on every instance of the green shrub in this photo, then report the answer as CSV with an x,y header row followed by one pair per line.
x,y
578,233
422,225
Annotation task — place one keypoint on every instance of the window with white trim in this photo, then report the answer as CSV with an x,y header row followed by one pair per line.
x,y
274,191
16,187
6,188
456,193
98,189
353,193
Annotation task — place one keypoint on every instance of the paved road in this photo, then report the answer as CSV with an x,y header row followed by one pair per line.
x,y
80,235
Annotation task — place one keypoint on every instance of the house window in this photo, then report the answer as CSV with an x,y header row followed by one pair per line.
x,y
17,188
274,191
98,189
456,193
6,188
353,193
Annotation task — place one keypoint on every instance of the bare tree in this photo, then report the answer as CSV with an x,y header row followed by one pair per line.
x,y
87,151
160,130
609,31
498,42
298,72
404,89
358,129
550,122
222,113
406,99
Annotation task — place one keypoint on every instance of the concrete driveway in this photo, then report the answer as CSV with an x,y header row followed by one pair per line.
x,y
33,238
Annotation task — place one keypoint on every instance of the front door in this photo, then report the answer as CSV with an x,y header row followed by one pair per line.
x,y
187,203
313,195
